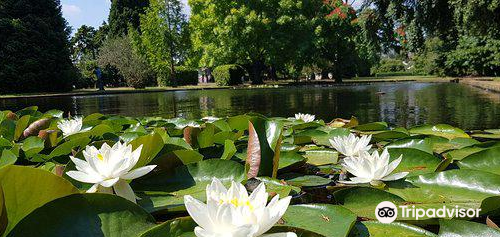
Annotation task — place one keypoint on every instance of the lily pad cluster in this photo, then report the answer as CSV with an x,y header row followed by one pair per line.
x,y
443,166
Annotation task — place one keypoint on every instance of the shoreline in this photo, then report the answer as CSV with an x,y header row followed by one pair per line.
x,y
488,84
213,86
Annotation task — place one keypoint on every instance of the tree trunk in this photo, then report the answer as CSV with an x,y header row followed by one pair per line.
x,y
272,75
172,73
256,72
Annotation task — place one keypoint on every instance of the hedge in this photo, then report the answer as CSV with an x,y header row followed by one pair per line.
x,y
228,75
186,76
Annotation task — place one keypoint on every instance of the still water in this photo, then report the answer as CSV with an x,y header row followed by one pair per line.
x,y
402,104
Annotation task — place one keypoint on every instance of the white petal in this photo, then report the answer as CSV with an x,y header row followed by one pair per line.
x,y
123,189
259,196
139,172
81,165
84,177
93,189
109,182
200,232
198,211
395,176
356,180
287,234
394,164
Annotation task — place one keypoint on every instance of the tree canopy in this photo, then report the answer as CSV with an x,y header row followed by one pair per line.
x,y
125,13
34,47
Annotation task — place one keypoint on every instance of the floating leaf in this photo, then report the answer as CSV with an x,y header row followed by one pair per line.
x,y
441,130
453,228
376,126
377,229
85,215
321,156
414,161
486,160
324,219
173,228
229,150
151,146
26,189
263,150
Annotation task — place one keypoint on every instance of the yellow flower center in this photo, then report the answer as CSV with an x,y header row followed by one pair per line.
x,y
100,157
238,203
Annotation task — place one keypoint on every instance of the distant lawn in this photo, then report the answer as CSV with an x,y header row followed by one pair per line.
x,y
268,84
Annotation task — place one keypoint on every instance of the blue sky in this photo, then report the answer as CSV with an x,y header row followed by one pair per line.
x,y
87,12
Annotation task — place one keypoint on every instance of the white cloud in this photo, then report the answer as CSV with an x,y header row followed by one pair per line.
x,y
71,10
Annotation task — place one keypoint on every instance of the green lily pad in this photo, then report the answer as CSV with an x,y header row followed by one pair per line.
x,y
26,189
321,156
364,200
289,158
179,227
462,188
324,219
85,215
414,161
453,228
440,130
424,144
376,126
486,160
164,191
377,229
305,180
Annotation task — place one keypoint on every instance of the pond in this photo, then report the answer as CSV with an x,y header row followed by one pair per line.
x,y
403,104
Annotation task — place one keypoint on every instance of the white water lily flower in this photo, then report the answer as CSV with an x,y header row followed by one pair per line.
x,y
210,119
109,168
70,126
372,168
233,213
305,117
190,124
351,145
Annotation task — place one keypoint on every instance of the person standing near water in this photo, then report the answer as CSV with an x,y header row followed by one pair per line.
x,y
98,74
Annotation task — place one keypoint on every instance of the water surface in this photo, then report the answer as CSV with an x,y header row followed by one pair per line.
x,y
402,104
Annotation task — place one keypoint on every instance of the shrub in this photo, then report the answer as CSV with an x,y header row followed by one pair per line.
x,y
118,52
186,76
431,60
228,75
389,65
478,56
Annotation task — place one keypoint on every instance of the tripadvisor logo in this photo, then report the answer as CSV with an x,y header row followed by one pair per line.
x,y
387,212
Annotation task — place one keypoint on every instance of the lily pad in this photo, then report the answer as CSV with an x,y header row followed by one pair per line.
x,y
423,144
453,228
179,227
414,161
441,130
487,160
377,229
85,215
324,219
306,180
26,189
321,156
163,191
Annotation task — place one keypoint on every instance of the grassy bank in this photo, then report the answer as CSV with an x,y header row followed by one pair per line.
x,y
126,90
487,83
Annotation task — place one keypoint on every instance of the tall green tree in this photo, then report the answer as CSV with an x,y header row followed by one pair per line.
x,y
255,34
34,47
125,13
164,38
